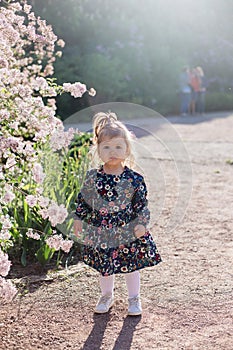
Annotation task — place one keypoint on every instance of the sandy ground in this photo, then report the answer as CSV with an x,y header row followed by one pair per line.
x,y
187,300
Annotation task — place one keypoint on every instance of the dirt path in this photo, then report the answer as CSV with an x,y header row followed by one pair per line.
x,y
187,299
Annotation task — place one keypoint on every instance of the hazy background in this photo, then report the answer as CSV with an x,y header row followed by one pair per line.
x,y
133,51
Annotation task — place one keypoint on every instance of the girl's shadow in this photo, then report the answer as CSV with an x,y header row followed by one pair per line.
x,y
124,339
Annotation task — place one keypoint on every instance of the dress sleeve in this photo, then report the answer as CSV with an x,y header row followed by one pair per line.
x,y
84,198
140,204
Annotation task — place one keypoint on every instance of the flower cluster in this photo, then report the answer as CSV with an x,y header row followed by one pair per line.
x,y
55,213
57,242
4,264
28,51
76,89
33,235
7,289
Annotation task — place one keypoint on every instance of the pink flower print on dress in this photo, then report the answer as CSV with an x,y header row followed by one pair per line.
x,y
103,211
114,254
104,222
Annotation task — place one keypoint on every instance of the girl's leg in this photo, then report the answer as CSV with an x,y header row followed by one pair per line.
x,y
133,283
133,286
106,300
107,284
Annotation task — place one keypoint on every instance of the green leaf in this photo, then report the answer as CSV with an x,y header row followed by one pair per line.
x,y
44,254
26,210
23,257
72,194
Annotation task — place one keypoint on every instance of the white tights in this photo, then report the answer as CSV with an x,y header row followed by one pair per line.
x,y
132,282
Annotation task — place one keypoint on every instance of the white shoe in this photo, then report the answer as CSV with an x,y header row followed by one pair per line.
x,y
135,308
104,304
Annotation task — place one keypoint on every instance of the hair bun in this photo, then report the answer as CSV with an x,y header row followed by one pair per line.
x,y
101,119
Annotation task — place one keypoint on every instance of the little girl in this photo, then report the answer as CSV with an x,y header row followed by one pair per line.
x,y
113,216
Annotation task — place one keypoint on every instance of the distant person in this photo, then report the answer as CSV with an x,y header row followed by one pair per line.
x,y
195,89
202,91
185,91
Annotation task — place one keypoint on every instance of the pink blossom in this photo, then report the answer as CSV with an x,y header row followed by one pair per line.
x,y
33,235
15,6
31,200
8,196
26,149
66,245
6,223
76,89
37,172
54,242
10,163
52,103
4,114
57,242
7,290
49,70
3,63
56,214
4,235
43,201
5,264
44,213
58,54
27,121
14,125
40,83
61,43
92,92
61,139
27,8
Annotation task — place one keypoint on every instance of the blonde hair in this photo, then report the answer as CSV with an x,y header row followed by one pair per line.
x,y
200,71
107,125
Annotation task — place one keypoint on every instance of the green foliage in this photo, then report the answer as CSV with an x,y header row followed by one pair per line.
x,y
64,171
44,254
219,101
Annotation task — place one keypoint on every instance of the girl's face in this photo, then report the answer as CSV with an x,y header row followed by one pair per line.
x,y
113,151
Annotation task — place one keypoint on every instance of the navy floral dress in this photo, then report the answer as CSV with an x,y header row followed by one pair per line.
x,y
110,206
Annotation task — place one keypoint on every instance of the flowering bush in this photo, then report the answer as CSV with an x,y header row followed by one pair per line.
x,y
31,137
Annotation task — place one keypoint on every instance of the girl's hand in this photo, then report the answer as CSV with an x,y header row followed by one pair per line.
x,y
78,225
139,230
